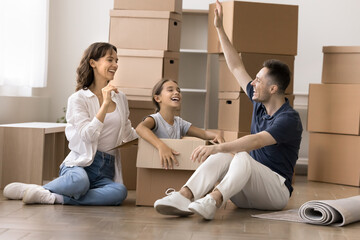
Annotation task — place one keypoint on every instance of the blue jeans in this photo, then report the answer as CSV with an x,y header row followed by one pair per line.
x,y
92,185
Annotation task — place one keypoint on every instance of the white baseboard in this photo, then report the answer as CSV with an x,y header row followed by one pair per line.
x,y
302,161
301,101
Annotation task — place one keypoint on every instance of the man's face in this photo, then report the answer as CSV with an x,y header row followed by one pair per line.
x,y
261,86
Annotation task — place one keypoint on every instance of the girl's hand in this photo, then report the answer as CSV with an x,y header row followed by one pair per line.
x,y
218,19
219,139
167,157
201,153
106,93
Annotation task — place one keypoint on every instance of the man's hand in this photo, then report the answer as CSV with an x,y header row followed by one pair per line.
x,y
218,19
167,157
201,153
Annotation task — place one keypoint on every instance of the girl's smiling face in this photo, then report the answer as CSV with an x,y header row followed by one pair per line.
x,y
170,95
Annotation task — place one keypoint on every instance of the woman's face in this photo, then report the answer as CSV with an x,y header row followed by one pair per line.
x,y
105,67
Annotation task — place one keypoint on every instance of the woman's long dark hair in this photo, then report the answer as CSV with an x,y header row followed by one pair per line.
x,y
85,73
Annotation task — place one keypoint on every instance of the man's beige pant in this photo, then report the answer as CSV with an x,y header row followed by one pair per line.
x,y
248,183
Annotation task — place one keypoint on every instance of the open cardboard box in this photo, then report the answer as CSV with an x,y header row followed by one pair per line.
x,y
152,179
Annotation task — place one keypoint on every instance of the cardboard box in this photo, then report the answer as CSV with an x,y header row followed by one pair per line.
x,y
153,5
128,165
139,110
142,69
253,62
157,30
231,136
334,108
256,27
153,183
148,155
341,64
334,158
235,112
152,179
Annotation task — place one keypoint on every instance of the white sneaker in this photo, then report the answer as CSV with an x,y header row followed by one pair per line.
x,y
38,194
205,207
173,204
16,190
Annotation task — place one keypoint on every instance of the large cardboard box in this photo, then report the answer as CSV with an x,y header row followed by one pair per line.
x,y
142,69
256,27
253,62
157,30
148,155
153,5
128,165
334,108
229,135
341,64
334,158
235,111
152,179
138,111
153,183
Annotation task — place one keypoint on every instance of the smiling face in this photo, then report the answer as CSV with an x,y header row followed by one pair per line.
x,y
170,95
262,86
105,67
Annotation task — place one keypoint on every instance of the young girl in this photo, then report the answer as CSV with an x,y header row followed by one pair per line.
x,y
97,121
164,124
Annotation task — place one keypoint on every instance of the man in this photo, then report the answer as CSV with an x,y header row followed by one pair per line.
x,y
259,174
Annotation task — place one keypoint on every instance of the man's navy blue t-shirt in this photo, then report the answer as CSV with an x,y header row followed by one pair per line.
x,y
286,128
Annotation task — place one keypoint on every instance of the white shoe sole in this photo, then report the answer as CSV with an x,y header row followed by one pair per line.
x,y
169,210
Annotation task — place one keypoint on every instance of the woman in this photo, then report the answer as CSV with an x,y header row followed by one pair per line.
x,y
97,117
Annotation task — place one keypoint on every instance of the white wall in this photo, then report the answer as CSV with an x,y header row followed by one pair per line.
x,y
73,26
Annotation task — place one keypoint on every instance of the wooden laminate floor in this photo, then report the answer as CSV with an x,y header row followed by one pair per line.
x,y
18,221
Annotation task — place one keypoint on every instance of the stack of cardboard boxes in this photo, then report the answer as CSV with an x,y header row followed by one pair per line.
x,y
334,119
147,35
259,32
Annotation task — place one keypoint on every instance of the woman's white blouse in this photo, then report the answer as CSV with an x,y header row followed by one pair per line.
x,y
83,128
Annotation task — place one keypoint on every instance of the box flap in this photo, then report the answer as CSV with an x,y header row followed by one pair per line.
x,y
229,95
148,155
145,14
341,49
146,53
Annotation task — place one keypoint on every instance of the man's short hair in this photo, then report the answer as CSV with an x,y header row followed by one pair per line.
x,y
279,74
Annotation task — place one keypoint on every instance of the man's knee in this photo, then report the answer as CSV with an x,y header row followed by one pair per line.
x,y
244,158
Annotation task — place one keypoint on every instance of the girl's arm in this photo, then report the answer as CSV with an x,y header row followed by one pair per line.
x,y
203,134
166,154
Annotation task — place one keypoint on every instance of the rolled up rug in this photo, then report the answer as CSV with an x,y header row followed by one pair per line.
x,y
338,212
331,212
